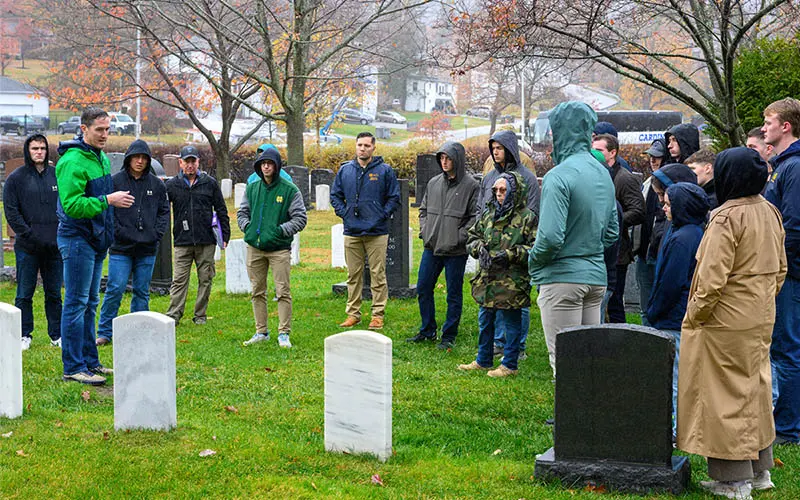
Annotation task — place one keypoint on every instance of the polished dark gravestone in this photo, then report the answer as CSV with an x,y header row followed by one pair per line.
x,y
427,169
320,176
397,255
300,179
613,411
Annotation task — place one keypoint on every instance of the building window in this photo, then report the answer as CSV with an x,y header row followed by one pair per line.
x,y
414,86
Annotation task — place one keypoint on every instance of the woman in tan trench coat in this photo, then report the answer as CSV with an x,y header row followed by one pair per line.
x,y
724,381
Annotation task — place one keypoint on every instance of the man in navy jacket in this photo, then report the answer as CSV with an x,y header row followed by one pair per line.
x,y
365,194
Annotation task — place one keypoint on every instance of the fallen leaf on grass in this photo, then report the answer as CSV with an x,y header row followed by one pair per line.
x,y
8,434
231,409
268,369
213,438
28,407
21,453
313,485
778,462
594,488
59,424
86,395
497,451
105,435
207,453
184,341
376,479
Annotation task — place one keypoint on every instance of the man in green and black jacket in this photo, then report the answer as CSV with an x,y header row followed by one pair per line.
x,y
271,213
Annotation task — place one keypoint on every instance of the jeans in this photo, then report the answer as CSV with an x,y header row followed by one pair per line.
x,y
785,354
500,331
83,268
676,334
52,269
511,319
604,305
616,306
645,276
430,267
119,269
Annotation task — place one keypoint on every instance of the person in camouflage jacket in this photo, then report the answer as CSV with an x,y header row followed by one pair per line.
x,y
501,240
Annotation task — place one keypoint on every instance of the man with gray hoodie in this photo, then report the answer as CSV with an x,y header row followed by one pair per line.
x,y
448,210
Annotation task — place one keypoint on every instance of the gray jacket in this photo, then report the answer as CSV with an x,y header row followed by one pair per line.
x,y
449,207
509,141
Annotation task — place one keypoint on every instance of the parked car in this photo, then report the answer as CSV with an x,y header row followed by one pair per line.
x,y
70,126
22,125
349,115
390,117
506,119
524,146
395,103
479,111
122,124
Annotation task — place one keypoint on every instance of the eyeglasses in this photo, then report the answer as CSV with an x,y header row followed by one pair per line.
x,y
495,190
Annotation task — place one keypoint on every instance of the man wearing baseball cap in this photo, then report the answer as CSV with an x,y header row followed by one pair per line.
x,y
195,196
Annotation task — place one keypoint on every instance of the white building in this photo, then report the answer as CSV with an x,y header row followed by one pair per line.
x,y
428,94
18,99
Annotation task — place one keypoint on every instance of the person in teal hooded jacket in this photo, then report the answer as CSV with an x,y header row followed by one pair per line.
x,y
577,221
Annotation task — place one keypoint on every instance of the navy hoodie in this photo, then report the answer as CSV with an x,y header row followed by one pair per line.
x,y
667,175
30,201
783,191
139,228
676,259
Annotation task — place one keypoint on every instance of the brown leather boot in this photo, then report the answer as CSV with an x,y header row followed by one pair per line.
x,y
349,322
376,324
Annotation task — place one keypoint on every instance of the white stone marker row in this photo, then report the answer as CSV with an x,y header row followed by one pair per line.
x,y
323,196
238,194
226,186
10,361
236,278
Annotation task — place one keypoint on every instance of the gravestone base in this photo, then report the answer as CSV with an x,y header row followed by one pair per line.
x,y
619,476
394,292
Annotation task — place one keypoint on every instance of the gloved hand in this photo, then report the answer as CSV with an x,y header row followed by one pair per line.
x,y
500,259
484,260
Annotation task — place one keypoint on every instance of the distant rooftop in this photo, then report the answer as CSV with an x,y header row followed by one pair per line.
x,y
10,86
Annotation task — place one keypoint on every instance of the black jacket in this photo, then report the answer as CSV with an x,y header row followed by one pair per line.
x,y
193,208
30,200
688,137
139,228
711,191
629,194
668,175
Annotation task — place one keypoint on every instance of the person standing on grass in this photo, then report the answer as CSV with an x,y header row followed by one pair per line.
x,y
501,240
195,197
30,198
137,233
255,177
782,131
447,211
271,213
365,194
85,231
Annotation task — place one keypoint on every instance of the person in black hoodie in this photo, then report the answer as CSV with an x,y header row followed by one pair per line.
x,y
137,231
702,162
682,141
195,197
30,198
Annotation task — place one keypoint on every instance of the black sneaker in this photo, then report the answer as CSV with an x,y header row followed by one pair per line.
x,y
420,337
101,370
445,345
550,421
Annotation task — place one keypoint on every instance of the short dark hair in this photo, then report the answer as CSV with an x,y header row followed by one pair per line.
x,y
365,134
756,133
612,144
704,155
89,115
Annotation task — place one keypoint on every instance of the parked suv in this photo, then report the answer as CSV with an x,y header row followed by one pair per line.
x,y
22,125
122,124
349,115
70,126
480,111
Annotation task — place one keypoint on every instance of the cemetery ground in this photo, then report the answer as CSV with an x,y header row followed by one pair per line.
x,y
260,409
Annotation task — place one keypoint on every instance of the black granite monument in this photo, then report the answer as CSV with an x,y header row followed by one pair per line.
x,y
397,274
320,176
613,423
300,178
427,169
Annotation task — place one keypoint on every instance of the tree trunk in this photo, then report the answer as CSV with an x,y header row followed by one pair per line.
x,y
295,124
223,161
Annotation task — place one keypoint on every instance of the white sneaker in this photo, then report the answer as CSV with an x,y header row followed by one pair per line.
x,y
56,343
762,481
258,337
283,340
738,490
26,343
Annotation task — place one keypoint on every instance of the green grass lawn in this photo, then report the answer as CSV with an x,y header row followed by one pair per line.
x,y
455,435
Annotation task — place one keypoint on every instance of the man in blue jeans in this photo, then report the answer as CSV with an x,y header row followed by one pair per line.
x,y
30,197
85,231
137,231
782,130
447,211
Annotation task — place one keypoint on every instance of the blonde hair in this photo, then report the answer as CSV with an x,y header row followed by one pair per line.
x,y
787,110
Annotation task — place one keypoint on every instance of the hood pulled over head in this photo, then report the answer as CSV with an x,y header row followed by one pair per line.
x,y
138,147
508,139
27,154
273,155
572,123
673,173
688,137
689,204
454,151
739,172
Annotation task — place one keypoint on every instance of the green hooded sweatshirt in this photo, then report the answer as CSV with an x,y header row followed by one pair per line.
x,y
578,218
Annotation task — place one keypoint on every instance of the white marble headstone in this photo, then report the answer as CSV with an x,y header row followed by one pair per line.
x,y
217,254
472,265
337,246
295,249
238,194
10,361
323,196
358,393
144,372
236,279
227,187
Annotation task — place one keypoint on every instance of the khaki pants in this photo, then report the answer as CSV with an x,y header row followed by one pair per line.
x,y
564,305
374,248
258,265
203,257
740,470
